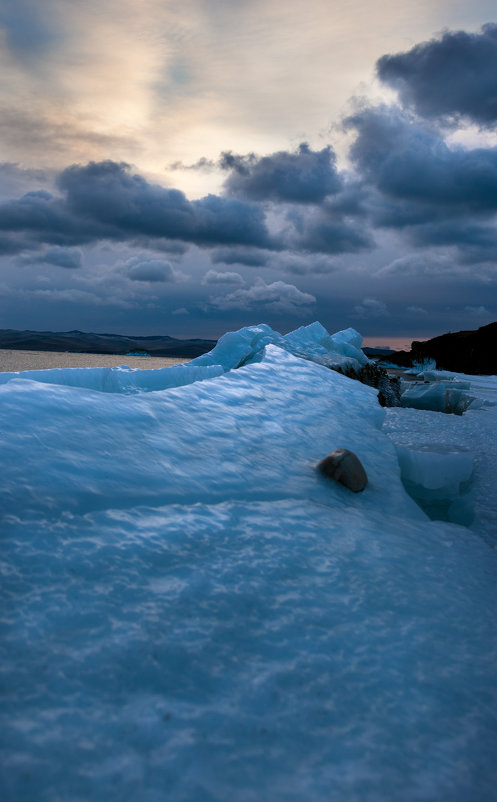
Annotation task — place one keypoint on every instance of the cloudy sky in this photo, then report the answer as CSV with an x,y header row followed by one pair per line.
x,y
190,167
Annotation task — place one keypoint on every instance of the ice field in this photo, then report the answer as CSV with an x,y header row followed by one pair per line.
x,y
191,612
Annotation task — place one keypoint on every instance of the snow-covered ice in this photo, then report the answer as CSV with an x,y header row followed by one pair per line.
x,y
191,612
313,342
118,380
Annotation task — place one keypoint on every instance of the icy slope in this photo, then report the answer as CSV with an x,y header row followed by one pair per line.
x,y
190,612
251,433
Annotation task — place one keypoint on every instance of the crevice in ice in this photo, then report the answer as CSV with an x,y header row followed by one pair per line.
x,y
440,481
123,380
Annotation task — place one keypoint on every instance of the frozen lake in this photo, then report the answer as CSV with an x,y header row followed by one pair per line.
x,y
11,360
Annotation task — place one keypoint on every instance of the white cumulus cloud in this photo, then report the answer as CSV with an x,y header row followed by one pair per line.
x,y
214,277
278,296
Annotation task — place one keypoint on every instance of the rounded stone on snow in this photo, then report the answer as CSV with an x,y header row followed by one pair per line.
x,y
345,467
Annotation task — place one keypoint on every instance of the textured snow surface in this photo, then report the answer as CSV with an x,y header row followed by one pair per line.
x,y
191,612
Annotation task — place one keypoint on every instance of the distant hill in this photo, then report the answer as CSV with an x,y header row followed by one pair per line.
x,y
88,343
377,351
462,351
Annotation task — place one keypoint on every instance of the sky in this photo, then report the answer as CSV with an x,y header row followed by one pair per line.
x,y
188,168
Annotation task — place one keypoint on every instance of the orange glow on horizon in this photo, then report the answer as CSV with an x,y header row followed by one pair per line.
x,y
395,343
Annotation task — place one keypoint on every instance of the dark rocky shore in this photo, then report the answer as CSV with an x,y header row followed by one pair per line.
x,y
83,342
473,352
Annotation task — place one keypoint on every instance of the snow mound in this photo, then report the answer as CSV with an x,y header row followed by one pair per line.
x,y
191,612
206,441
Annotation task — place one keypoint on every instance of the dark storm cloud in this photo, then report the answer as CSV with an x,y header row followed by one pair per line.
x,y
306,176
410,164
413,181
176,250
324,231
475,242
106,201
323,236
126,202
371,307
286,261
449,77
240,256
351,202
70,258
420,264
301,265
43,218
10,246
149,270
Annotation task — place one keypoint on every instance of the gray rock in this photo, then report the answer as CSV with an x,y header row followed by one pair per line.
x,y
345,467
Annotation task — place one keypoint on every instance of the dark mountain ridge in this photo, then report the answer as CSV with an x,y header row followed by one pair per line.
x,y
90,343
471,352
